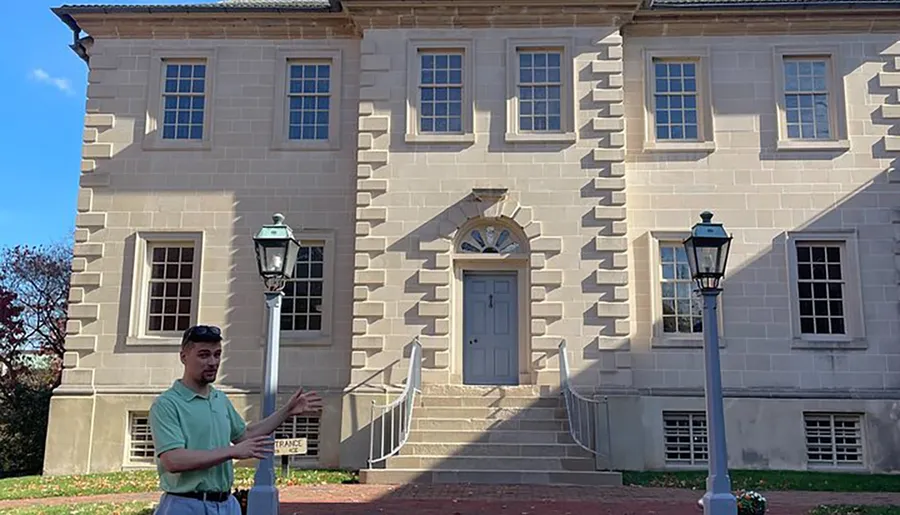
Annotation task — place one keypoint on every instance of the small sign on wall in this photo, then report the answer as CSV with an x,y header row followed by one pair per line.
x,y
290,446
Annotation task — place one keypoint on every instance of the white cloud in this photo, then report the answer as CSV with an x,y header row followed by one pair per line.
x,y
59,83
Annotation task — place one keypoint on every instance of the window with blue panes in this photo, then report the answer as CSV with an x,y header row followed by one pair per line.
x,y
309,100
441,92
806,99
675,97
540,91
184,101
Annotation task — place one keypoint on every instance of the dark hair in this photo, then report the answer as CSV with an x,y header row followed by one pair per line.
x,y
201,334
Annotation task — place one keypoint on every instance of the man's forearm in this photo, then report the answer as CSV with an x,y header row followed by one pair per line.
x,y
184,460
267,425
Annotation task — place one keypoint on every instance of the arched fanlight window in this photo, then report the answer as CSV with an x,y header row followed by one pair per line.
x,y
489,240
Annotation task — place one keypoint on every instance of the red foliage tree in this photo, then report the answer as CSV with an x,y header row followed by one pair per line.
x,y
38,278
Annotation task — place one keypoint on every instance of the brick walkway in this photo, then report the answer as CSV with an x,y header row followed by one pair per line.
x,y
501,500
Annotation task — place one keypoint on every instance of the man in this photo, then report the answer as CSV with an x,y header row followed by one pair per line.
x,y
194,426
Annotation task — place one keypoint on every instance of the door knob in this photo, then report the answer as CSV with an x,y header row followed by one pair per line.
x,y
473,341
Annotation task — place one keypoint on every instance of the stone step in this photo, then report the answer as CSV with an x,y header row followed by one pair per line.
x,y
462,413
489,402
489,463
495,392
489,436
498,450
490,476
483,424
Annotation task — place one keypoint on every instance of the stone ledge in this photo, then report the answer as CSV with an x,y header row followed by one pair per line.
x,y
368,342
373,156
97,150
609,213
609,124
368,309
889,79
433,309
546,244
546,309
609,154
607,66
605,244
890,111
84,311
613,310
358,359
369,277
371,244
434,277
371,213
97,220
372,185
547,277
614,277
86,279
608,95
82,343
87,249
374,124
99,120
362,229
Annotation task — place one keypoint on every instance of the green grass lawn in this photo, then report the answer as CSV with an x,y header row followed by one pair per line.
x,y
34,487
768,480
130,508
856,510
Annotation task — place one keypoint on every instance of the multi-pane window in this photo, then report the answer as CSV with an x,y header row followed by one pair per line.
x,y
806,98
309,100
441,92
681,310
675,97
820,288
685,435
301,427
302,306
184,100
140,440
540,90
171,287
833,439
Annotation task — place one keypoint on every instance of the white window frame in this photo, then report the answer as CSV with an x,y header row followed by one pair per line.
x,y
144,241
837,104
129,460
152,139
705,141
854,315
322,337
285,56
659,338
692,415
413,77
567,132
834,464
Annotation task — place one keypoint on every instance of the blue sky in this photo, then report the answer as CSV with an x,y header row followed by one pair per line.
x,y
46,83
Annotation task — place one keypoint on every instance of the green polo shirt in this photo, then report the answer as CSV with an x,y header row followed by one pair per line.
x,y
180,418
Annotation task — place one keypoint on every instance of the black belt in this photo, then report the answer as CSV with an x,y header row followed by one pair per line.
x,y
204,496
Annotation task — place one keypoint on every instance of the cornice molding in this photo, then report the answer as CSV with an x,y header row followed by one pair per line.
x,y
283,25
730,23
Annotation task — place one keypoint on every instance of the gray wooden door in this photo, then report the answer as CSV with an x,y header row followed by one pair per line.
x,y
490,329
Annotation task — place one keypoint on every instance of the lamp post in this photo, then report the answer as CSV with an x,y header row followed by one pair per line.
x,y
707,252
276,254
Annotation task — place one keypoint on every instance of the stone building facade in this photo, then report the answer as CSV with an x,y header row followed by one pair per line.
x,y
432,157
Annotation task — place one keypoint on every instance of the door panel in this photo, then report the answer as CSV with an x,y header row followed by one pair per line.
x,y
490,330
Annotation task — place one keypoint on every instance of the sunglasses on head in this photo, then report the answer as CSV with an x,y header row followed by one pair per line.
x,y
203,333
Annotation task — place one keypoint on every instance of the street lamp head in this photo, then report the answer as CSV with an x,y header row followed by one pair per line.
x,y
276,252
707,251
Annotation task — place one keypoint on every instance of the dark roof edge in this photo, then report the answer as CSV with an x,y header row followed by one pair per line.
x,y
768,5
68,10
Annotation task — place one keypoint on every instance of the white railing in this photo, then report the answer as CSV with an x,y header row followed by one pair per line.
x,y
394,420
585,415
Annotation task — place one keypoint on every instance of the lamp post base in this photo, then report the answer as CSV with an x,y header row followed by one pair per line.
x,y
719,504
262,500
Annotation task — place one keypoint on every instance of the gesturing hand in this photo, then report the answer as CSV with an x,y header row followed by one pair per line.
x,y
254,447
304,402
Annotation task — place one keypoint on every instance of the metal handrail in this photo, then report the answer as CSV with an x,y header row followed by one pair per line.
x,y
401,408
583,413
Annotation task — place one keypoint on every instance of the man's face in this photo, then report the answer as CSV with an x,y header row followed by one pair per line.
x,y
201,361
